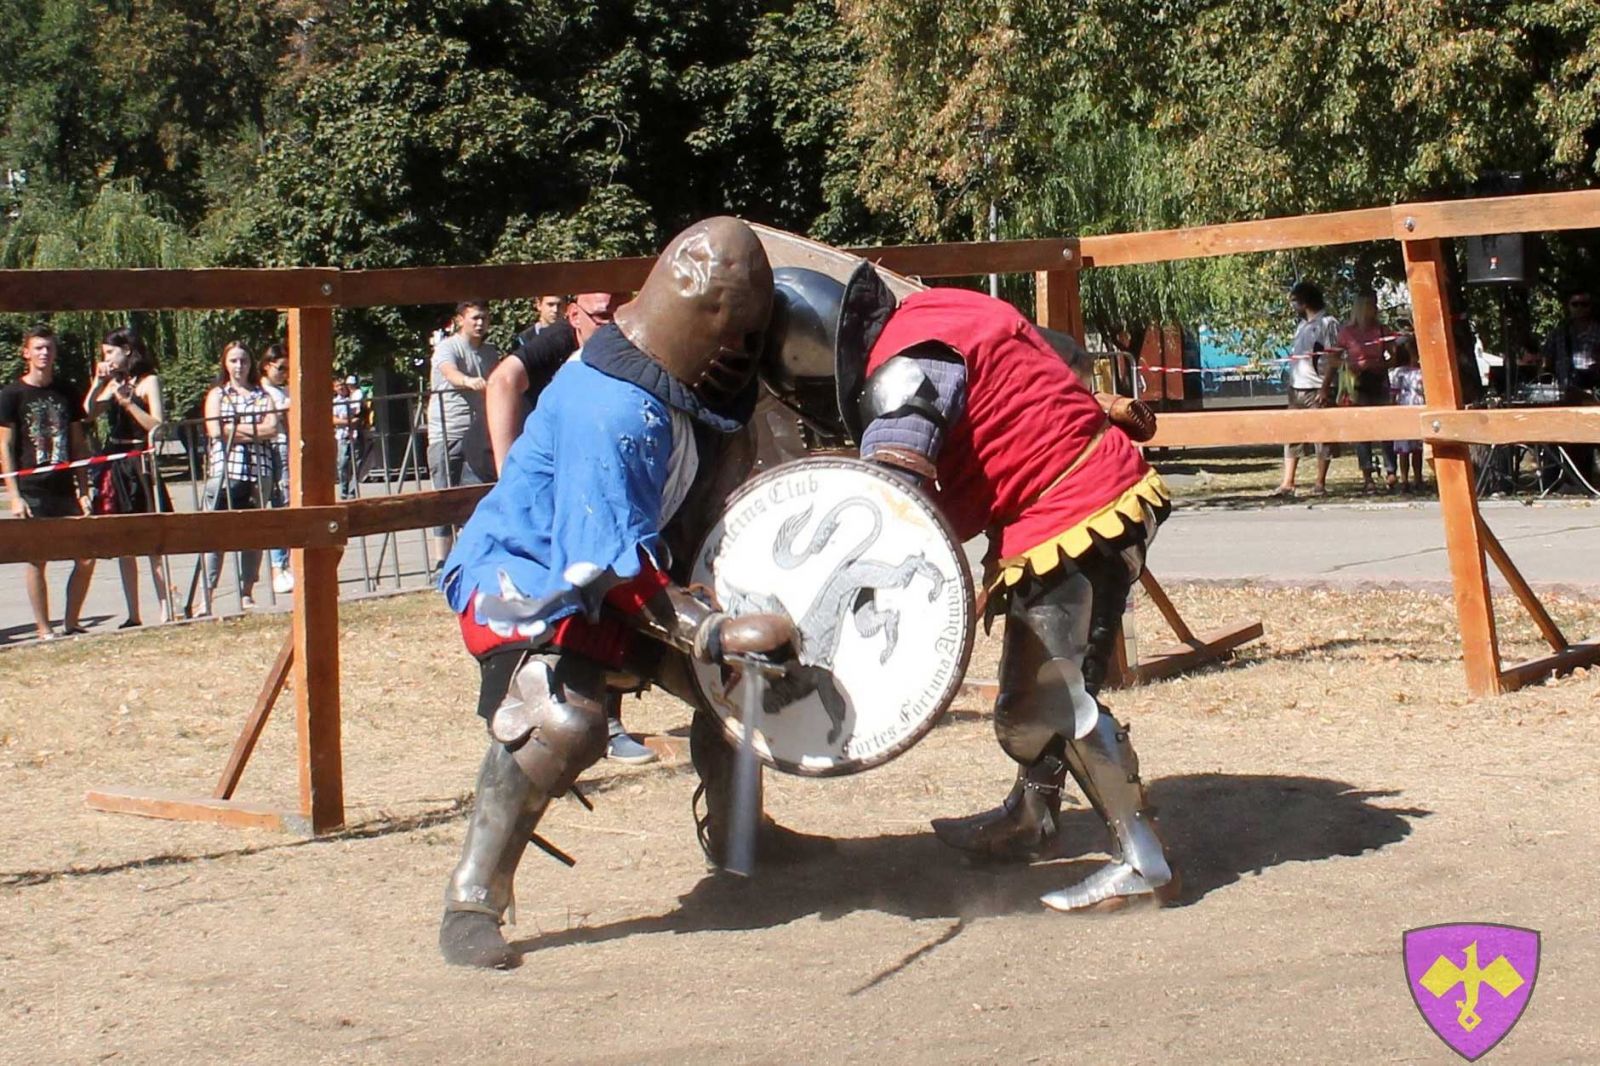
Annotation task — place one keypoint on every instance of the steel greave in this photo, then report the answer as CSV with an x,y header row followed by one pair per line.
x,y
504,815
1106,767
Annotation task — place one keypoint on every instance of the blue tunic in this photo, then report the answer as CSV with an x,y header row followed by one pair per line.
x,y
584,483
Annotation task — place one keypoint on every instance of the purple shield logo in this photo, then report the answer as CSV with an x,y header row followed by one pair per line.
x,y
1471,982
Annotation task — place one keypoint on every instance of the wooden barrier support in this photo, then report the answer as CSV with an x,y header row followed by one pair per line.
x,y
220,808
316,572
1458,498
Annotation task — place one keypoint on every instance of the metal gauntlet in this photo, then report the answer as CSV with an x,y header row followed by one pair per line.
x,y
677,617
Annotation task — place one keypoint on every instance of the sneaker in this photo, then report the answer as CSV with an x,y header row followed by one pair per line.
x,y
247,603
625,749
282,581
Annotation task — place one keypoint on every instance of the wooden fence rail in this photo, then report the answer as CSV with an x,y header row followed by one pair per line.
x,y
316,528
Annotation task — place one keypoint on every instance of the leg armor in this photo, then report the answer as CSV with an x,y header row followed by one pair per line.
x,y
1106,768
1058,639
548,728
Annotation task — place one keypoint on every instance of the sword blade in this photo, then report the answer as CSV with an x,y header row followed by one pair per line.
x,y
746,780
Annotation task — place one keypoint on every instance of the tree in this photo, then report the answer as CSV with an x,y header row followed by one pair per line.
x,y
122,227
1129,115
488,130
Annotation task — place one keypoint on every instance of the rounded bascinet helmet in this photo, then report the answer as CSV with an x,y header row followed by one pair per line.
x,y
799,362
822,330
702,313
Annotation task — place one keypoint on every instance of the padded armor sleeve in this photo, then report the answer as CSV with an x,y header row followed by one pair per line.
x,y
918,423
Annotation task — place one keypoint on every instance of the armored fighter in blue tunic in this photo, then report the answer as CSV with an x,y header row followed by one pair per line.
x,y
566,564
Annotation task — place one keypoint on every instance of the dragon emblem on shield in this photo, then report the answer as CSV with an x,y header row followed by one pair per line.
x,y
849,592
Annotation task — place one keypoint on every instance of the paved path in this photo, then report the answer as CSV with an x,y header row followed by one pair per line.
x,y
1553,543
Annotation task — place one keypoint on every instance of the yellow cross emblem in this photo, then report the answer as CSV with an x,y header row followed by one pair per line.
x,y
1444,975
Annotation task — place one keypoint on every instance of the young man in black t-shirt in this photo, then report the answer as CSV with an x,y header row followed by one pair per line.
x,y
41,422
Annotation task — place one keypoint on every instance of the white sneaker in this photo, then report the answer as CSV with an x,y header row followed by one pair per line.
x,y
247,603
282,581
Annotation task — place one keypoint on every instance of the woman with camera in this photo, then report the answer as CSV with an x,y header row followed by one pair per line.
x,y
127,391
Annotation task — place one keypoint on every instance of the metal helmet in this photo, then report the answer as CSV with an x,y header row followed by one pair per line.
x,y
702,313
822,330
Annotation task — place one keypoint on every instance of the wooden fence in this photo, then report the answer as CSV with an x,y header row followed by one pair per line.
x,y
316,528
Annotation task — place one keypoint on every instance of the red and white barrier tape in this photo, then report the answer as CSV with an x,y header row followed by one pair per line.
x,y
97,460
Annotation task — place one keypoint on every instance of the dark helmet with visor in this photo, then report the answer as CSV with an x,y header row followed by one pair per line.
x,y
818,341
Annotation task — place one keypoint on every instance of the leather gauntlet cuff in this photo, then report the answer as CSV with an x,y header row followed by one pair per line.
x,y
904,459
678,618
1133,417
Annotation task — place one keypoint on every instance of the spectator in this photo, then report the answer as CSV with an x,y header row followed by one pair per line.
x,y
515,385
1365,347
275,383
241,434
458,442
348,415
1406,383
1317,332
41,422
127,391
548,312
1572,353
1572,350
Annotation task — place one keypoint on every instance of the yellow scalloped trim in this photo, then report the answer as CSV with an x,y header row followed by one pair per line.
x,y
1109,521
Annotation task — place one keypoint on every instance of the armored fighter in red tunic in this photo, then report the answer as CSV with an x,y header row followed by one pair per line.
x,y
965,397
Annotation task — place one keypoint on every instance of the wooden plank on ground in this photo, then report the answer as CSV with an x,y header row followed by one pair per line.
x,y
177,806
1209,647
1528,425
1280,426
1562,662
163,290
110,536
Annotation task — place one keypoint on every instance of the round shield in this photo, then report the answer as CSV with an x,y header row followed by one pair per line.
x,y
880,592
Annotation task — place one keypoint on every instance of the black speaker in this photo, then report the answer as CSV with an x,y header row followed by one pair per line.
x,y
1500,260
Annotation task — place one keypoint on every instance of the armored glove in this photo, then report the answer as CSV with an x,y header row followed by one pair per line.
x,y
1133,417
760,636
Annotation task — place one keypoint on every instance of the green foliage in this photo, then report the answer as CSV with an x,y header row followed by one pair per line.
x,y
382,133
122,227
1124,115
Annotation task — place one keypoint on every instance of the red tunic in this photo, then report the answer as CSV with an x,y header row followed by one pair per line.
x,y
1028,418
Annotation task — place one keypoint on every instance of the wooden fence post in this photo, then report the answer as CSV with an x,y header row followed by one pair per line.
x,y
1058,301
316,571
1458,502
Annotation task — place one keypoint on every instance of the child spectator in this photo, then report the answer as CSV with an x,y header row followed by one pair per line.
x,y
1405,382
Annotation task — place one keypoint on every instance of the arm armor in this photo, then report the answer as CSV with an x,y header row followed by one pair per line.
x,y
677,617
907,406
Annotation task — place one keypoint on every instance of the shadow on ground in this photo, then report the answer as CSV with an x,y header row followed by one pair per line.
x,y
1220,827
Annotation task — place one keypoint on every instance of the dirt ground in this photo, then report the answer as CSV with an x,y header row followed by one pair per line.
x,y
1328,789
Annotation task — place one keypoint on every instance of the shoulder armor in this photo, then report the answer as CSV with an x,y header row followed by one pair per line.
x,y
900,386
